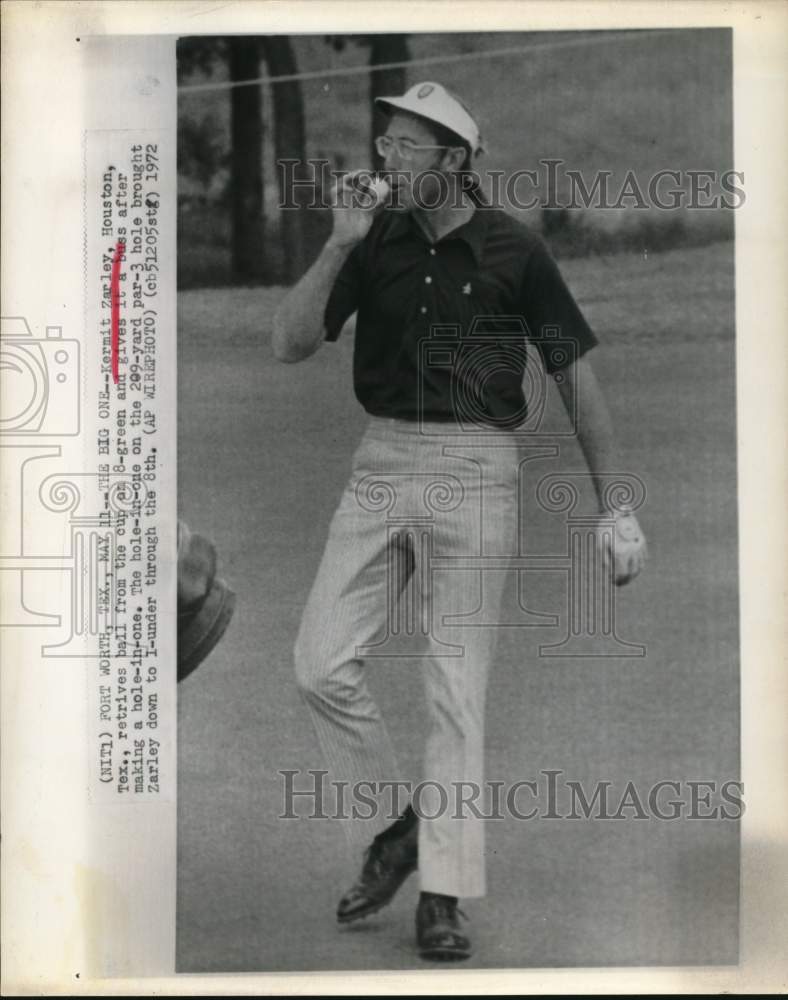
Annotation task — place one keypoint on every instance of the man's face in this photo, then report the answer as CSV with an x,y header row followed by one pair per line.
x,y
406,166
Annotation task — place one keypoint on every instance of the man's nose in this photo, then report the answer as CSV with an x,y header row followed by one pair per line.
x,y
397,168
392,160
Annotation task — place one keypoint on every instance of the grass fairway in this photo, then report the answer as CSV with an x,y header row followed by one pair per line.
x,y
264,453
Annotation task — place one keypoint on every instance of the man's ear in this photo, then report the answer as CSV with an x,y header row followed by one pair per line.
x,y
454,157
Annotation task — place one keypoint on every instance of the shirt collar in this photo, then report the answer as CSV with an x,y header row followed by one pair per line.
x,y
473,232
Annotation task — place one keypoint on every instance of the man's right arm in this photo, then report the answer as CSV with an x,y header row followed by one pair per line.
x,y
298,322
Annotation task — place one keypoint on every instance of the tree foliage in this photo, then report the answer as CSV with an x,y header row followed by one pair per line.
x,y
202,154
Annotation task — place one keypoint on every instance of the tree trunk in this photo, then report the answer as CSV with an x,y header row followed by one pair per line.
x,y
290,144
385,82
246,171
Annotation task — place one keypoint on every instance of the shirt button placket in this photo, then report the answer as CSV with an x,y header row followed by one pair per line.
x,y
427,281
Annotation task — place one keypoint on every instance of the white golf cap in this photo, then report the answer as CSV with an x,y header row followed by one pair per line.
x,y
432,101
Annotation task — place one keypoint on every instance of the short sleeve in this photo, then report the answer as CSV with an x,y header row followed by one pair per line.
x,y
345,295
556,325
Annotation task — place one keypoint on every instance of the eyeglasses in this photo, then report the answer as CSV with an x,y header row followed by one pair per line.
x,y
405,148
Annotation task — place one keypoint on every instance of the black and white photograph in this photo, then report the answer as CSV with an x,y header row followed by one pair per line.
x,y
456,343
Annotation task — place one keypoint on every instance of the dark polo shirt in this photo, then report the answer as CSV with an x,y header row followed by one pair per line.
x,y
441,328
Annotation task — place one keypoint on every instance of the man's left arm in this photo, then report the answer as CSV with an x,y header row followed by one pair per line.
x,y
547,306
586,406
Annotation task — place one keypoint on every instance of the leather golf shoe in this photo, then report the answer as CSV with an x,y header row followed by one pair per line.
x,y
387,863
438,933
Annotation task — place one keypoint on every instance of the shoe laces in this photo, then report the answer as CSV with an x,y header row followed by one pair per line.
x,y
444,908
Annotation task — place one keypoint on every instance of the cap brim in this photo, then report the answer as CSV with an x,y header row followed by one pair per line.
x,y
391,104
396,103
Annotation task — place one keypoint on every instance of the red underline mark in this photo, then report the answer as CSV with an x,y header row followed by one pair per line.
x,y
114,291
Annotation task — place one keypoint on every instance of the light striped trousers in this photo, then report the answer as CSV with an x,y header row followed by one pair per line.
x,y
455,499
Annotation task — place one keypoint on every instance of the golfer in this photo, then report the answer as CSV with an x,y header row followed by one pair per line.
x,y
416,252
